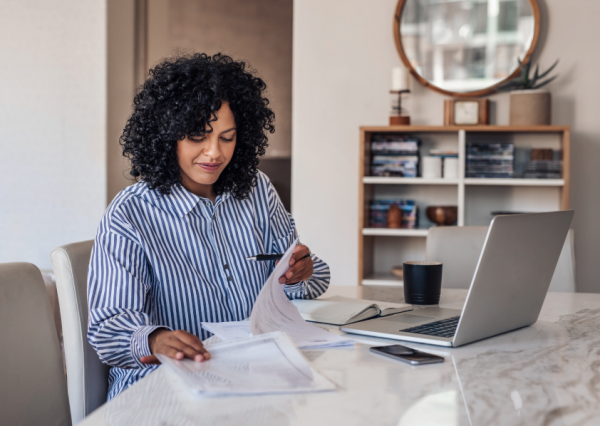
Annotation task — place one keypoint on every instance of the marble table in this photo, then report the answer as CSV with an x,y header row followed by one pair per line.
x,y
546,374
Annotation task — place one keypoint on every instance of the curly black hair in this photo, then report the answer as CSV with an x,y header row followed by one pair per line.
x,y
179,99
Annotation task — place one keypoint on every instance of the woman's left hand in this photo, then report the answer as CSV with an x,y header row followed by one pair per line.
x,y
300,269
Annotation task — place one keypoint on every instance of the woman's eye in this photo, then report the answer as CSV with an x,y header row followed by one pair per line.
x,y
201,139
226,140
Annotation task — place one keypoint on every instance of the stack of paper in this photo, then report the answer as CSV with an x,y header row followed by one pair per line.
x,y
269,363
273,311
304,339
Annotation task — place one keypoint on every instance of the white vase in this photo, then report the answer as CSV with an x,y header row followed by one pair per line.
x,y
431,167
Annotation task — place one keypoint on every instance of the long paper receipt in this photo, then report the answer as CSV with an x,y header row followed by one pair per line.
x,y
273,311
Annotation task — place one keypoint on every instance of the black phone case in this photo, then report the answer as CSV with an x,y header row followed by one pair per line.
x,y
430,359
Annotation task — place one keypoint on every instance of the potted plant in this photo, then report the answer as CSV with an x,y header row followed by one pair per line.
x,y
529,105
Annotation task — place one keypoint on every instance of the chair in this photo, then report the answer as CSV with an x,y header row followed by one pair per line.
x,y
87,376
458,248
33,389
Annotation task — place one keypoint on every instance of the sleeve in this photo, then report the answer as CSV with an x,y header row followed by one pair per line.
x,y
118,283
283,228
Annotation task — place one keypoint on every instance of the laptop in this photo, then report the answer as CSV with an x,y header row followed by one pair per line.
x,y
507,291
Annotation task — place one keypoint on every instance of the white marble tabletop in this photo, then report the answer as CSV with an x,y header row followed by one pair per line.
x,y
546,374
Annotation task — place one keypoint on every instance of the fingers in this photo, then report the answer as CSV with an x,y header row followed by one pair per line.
x,y
149,360
193,342
177,345
178,349
301,266
299,252
301,271
296,272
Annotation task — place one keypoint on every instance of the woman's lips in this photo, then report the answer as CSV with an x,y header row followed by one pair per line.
x,y
210,167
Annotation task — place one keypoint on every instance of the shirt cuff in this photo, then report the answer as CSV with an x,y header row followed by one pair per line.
x,y
294,288
139,343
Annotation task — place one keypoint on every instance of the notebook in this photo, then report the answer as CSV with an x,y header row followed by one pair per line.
x,y
339,310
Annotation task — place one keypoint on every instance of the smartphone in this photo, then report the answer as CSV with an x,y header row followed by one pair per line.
x,y
402,353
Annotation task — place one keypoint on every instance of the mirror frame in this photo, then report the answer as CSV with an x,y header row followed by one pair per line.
x,y
482,92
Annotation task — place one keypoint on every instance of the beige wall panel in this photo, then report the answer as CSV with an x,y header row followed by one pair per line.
x,y
258,31
120,89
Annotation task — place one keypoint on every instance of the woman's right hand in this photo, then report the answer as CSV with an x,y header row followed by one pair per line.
x,y
174,344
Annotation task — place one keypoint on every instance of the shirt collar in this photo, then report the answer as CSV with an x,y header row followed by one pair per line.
x,y
180,201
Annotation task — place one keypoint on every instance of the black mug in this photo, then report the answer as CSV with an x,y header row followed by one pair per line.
x,y
422,282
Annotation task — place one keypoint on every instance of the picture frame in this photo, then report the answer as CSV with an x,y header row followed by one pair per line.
x,y
466,112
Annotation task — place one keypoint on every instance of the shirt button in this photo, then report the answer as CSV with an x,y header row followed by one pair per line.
x,y
226,266
229,278
207,204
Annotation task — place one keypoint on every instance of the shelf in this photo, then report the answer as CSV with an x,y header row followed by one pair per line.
x,y
379,249
449,129
468,181
515,182
407,181
393,232
382,279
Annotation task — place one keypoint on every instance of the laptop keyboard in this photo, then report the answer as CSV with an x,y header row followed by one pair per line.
x,y
443,328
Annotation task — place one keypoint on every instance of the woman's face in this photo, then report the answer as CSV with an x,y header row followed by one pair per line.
x,y
203,159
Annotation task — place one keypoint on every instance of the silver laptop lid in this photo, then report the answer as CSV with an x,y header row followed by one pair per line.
x,y
513,274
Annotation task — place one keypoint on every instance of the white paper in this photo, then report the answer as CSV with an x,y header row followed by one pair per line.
x,y
320,339
229,330
269,363
273,311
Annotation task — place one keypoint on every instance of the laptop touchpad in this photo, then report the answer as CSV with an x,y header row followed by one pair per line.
x,y
409,318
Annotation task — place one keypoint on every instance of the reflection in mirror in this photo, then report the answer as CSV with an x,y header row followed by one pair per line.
x,y
466,45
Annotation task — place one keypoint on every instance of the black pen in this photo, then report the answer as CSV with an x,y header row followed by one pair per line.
x,y
267,257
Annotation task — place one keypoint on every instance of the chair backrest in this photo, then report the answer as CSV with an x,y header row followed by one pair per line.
x,y
564,276
87,376
458,248
33,388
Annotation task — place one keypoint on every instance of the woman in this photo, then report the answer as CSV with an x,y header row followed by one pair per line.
x,y
171,250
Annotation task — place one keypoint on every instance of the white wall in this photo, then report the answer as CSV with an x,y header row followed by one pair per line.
x,y
342,60
52,125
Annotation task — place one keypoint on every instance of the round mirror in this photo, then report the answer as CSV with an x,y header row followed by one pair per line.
x,y
465,47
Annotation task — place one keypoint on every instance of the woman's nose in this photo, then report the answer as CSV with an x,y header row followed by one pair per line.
x,y
212,149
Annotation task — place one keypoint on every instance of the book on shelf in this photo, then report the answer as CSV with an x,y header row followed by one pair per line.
x,y
379,208
543,169
395,155
338,310
490,160
443,153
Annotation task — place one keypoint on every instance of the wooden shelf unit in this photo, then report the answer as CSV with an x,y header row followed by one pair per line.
x,y
370,185
387,232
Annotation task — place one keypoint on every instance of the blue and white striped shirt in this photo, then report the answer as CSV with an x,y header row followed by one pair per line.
x,y
178,260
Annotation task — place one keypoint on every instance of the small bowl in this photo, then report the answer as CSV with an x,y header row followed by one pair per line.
x,y
442,215
398,271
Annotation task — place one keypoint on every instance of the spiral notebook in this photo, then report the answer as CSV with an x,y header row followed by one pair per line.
x,y
339,310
